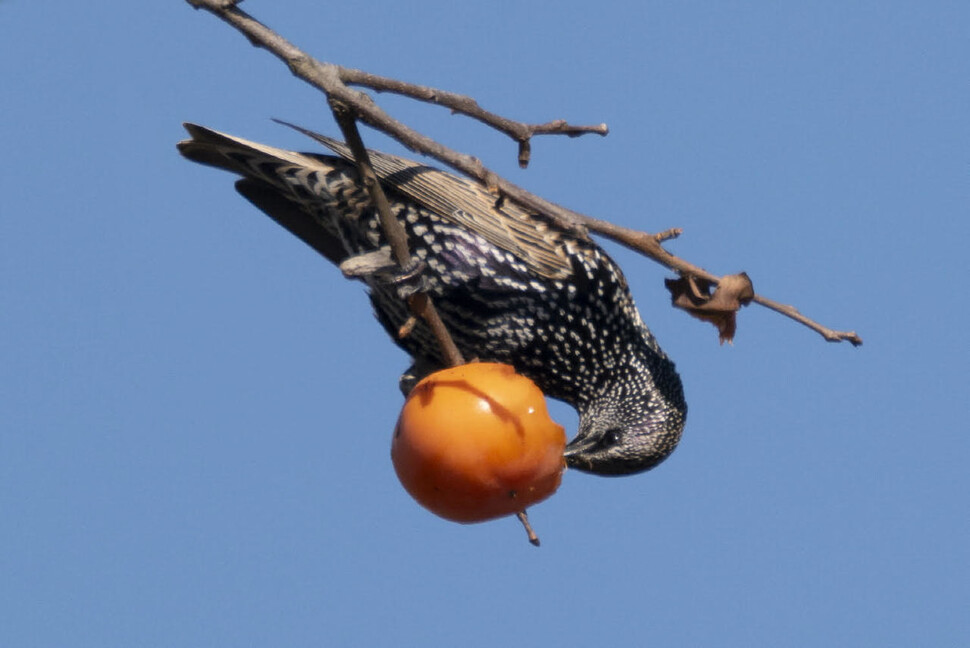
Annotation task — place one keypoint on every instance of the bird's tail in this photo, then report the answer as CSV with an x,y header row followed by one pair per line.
x,y
291,188
248,159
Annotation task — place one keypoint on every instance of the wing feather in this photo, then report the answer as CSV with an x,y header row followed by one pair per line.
x,y
532,239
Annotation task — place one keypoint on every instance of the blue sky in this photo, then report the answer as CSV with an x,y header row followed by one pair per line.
x,y
195,409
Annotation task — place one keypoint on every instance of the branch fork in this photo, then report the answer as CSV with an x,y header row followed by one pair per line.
x,y
336,82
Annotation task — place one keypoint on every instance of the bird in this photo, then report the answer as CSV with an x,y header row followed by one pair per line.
x,y
511,286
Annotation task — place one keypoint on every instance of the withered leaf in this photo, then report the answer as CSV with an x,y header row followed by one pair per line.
x,y
693,294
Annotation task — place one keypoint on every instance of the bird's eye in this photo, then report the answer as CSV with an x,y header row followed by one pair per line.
x,y
610,438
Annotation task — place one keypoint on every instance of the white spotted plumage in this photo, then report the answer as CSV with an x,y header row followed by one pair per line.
x,y
510,286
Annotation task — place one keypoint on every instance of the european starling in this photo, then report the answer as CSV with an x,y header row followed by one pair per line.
x,y
510,285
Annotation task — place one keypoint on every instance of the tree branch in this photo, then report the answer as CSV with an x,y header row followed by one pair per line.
x,y
790,311
465,105
333,80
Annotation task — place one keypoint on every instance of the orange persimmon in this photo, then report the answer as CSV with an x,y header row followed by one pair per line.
x,y
475,442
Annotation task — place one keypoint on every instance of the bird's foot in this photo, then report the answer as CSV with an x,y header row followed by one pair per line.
x,y
380,266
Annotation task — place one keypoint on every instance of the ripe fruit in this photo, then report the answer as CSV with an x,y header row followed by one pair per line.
x,y
475,442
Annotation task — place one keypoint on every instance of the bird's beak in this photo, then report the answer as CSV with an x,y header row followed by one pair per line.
x,y
575,450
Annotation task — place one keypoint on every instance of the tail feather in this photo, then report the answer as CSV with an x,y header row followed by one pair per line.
x,y
239,155
264,187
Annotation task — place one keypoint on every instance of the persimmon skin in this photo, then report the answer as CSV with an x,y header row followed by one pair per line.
x,y
475,442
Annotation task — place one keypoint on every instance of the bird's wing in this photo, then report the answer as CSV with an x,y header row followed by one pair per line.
x,y
533,240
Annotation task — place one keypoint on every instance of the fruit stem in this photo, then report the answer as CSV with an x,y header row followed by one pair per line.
x,y
524,519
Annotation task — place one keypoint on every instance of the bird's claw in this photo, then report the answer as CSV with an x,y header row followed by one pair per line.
x,y
379,266
410,280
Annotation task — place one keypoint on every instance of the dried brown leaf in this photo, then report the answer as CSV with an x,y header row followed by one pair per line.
x,y
694,295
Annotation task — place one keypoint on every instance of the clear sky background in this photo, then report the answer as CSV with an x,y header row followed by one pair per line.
x,y
196,410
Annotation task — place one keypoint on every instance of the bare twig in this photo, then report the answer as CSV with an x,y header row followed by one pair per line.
x,y
668,234
465,105
650,245
420,304
333,79
393,230
524,519
790,311
407,327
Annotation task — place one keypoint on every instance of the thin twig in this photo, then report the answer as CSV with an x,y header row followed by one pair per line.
x,y
650,245
420,304
668,234
333,79
790,311
393,230
407,327
524,519
468,106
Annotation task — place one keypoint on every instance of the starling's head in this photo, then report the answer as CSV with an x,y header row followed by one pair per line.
x,y
632,425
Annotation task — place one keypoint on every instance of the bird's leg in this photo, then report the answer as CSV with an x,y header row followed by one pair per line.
x,y
414,374
379,266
